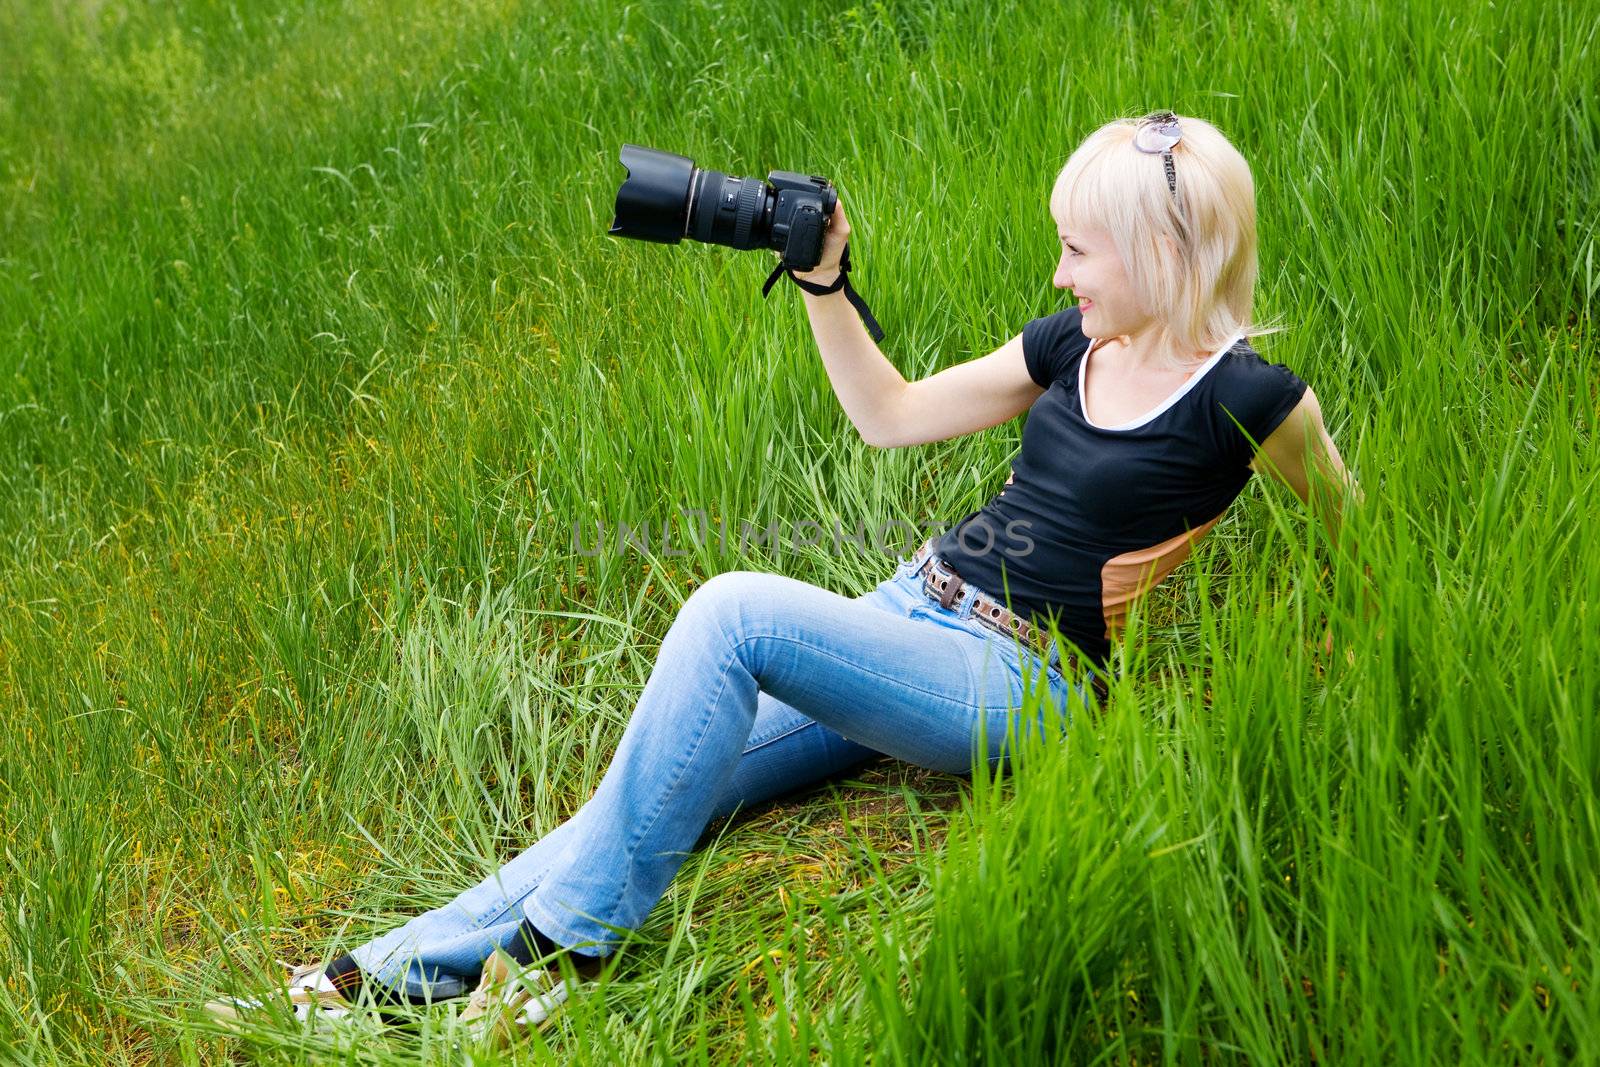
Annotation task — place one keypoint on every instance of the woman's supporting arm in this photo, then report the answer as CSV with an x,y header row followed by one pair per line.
x,y
1300,454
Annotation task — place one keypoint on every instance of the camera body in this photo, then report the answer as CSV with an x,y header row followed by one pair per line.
x,y
666,198
800,216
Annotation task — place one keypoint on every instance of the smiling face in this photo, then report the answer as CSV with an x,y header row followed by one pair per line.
x,y
1091,267
1169,276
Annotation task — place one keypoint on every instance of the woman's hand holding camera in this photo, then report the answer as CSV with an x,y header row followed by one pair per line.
x,y
833,241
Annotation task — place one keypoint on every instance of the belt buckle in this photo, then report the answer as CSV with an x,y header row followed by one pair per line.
x,y
939,571
948,595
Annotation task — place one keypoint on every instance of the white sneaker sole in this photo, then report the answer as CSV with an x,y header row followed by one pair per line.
x,y
235,1009
540,1008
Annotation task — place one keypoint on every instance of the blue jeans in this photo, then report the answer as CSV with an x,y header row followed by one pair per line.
x,y
762,685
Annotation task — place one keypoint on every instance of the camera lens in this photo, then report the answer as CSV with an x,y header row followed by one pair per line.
x,y
725,209
666,198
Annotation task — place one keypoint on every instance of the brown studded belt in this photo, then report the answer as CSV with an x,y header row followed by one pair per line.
x,y
941,583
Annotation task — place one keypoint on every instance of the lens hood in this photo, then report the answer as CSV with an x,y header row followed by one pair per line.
x,y
653,202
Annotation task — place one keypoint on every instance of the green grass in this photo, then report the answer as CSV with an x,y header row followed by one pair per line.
x,y
314,349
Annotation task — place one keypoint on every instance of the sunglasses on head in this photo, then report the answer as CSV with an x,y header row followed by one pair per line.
x,y
1156,134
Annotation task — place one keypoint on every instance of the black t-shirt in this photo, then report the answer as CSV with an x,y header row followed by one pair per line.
x,y
1094,517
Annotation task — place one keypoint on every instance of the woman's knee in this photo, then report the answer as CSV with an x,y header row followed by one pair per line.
x,y
725,600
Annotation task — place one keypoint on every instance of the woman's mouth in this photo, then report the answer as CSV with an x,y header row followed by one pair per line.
x,y
1085,305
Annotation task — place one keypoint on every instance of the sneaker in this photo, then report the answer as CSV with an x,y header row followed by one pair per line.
x,y
511,1000
308,992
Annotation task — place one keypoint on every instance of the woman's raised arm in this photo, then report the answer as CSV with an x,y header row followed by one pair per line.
x,y
888,411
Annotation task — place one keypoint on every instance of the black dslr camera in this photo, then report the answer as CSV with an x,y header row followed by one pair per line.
x,y
666,198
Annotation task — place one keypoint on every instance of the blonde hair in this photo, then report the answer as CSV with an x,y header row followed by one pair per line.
x,y
1205,292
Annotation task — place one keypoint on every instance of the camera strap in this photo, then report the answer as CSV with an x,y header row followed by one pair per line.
x,y
841,282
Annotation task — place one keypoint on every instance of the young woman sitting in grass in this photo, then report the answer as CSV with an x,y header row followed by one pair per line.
x,y
1148,412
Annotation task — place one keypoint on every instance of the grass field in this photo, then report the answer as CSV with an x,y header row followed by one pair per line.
x,y
313,349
